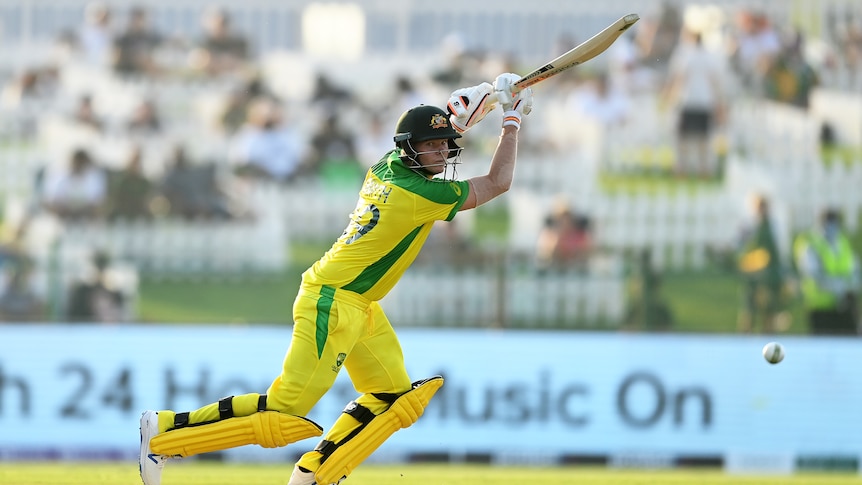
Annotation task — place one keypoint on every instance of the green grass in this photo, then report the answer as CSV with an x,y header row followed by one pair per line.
x,y
228,301
237,299
701,302
841,153
710,302
201,473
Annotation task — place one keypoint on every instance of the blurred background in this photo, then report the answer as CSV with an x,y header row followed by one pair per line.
x,y
180,163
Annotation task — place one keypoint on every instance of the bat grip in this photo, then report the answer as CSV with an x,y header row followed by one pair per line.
x,y
494,97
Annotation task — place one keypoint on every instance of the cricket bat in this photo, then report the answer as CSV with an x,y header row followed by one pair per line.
x,y
581,53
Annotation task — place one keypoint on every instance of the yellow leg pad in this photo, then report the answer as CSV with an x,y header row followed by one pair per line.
x,y
405,411
268,429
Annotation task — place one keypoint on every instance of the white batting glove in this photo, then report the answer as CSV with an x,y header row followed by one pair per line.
x,y
514,105
468,106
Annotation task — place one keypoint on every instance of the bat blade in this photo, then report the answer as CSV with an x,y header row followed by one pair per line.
x,y
585,51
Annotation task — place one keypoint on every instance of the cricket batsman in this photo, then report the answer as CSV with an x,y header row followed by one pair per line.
x,y
338,322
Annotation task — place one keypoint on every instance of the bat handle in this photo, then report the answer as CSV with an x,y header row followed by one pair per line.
x,y
494,98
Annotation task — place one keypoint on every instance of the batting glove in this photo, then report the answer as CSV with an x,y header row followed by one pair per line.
x,y
514,105
468,106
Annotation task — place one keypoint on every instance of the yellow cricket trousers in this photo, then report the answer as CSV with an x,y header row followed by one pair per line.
x,y
335,328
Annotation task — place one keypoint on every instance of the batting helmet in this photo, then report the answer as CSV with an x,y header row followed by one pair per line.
x,y
424,123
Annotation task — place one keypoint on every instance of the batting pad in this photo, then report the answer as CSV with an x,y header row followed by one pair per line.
x,y
405,411
269,429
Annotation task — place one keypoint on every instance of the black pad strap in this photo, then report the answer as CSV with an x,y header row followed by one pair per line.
x,y
225,408
181,419
325,448
360,412
387,397
261,403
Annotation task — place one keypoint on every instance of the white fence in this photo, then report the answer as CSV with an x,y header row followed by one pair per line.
x,y
441,297
186,247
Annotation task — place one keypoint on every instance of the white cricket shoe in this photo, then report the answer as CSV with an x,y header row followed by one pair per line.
x,y
150,463
299,477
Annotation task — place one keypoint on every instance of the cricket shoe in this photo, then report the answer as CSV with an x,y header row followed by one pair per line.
x,y
301,476
150,464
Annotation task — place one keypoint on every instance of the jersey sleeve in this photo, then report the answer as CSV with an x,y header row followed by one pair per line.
x,y
440,200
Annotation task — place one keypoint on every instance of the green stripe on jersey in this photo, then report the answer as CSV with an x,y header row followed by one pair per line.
x,y
324,305
372,274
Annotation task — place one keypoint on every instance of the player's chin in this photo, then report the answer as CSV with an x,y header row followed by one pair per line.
x,y
436,168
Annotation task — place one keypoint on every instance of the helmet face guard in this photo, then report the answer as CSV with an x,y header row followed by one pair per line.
x,y
424,123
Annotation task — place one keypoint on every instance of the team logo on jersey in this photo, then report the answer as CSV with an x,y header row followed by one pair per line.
x,y
339,361
439,121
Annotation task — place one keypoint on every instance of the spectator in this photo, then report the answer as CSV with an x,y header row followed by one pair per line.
x,y
763,274
375,141
19,300
234,113
192,191
756,44
145,119
85,114
850,44
565,241
96,35
29,94
648,309
131,193
93,298
34,86
221,51
265,148
790,78
659,35
333,153
78,191
694,87
133,49
830,277
328,97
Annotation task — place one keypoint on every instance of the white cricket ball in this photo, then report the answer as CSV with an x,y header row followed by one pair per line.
x,y
773,352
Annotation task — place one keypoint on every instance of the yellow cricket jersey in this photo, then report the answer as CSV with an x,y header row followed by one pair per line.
x,y
396,209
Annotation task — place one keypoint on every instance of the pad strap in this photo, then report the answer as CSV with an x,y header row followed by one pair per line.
x,y
359,412
225,408
181,419
225,411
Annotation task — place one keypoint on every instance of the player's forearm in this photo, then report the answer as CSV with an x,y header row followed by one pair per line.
x,y
499,177
502,170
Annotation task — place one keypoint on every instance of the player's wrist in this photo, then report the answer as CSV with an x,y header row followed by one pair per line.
x,y
512,118
509,132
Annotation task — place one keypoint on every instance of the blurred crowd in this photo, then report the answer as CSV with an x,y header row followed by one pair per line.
x,y
261,137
